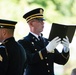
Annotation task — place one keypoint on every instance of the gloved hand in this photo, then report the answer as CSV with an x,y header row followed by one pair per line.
x,y
52,45
65,43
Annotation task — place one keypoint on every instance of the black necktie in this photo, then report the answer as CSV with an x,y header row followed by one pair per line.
x,y
40,38
41,41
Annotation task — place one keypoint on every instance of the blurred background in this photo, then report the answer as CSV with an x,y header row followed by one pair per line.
x,y
59,11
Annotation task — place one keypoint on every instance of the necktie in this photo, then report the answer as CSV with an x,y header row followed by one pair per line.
x,y
41,41
40,38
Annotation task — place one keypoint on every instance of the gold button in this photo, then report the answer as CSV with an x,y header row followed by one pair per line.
x,y
35,49
45,57
48,70
47,64
32,43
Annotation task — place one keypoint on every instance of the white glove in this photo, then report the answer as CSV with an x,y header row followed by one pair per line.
x,y
65,43
52,45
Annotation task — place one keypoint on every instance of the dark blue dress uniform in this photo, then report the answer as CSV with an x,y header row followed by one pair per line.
x,y
3,60
13,58
39,61
16,57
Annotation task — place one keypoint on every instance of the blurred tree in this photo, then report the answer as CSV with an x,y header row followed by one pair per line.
x,y
62,6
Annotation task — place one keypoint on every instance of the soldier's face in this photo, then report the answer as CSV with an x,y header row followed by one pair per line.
x,y
1,35
38,25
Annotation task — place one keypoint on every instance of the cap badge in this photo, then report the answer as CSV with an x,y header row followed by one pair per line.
x,y
41,12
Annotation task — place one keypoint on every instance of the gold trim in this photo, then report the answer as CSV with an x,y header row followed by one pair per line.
x,y
33,18
1,58
64,56
41,11
34,15
6,24
40,54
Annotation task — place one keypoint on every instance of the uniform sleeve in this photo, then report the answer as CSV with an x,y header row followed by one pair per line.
x,y
61,58
3,61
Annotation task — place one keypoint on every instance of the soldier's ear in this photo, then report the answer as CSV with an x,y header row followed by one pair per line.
x,y
31,22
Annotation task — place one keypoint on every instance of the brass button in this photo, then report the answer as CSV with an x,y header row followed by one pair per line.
x,y
32,42
35,49
45,57
47,64
48,70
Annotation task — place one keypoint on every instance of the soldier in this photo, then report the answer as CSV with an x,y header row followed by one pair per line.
x,y
42,54
13,56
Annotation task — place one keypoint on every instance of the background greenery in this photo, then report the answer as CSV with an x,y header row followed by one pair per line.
x,y
60,11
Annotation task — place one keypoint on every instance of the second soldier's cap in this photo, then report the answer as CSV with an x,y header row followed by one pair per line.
x,y
36,13
7,24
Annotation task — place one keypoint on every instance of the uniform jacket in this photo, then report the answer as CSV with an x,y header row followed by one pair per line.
x,y
16,57
39,61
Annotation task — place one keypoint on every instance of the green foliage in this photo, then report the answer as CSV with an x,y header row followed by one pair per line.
x,y
39,2
58,10
63,7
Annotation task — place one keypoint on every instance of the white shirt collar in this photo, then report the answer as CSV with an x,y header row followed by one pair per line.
x,y
34,34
